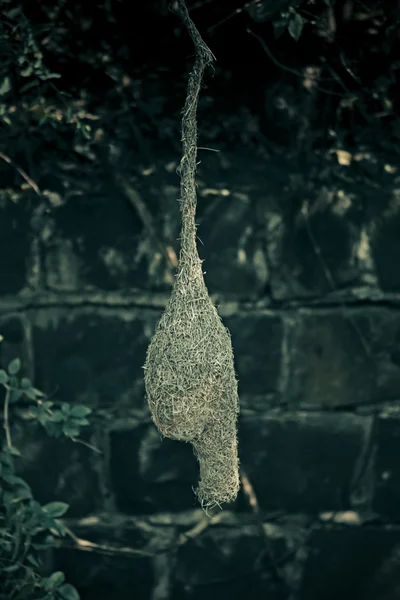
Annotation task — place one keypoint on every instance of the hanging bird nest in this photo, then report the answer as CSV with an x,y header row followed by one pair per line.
x,y
189,377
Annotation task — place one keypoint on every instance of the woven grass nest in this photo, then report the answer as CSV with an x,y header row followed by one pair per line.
x,y
190,380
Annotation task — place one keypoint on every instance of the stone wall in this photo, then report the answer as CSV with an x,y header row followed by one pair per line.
x,y
305,271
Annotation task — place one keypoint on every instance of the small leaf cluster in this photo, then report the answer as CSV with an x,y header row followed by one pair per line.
x,y
28,94
58,420
289,20
28,528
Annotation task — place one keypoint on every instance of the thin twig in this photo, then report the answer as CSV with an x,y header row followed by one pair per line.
x,y
200,4
249,492
78,441
136,201
251,498
87,546
23,174
6,423
330,279
197,529
236,12
284,67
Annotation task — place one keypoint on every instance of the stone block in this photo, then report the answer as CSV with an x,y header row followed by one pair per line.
x,y
352,563
232,247
161,472
101,575
303,462
92,355
100,242
257,344
255,586
19,265
226,562
387,465
319,236
58,469
385,240
344,357
15,330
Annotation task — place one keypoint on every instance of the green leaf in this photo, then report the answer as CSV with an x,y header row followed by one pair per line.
x,y
45,76
3,376
33,560
8,499
13,12
57,417
47,543
58,530
54,581
79,422
79,410
12,479
13,383
20,486
15,395
34,410
5,87
56,509
11,568
14,366
279,27
28,86
27,71
296,26
70,431
14,451
30,393
67,592
5,458
25,383
53,429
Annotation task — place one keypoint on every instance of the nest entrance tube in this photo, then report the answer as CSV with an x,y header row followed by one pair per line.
x,y
189,373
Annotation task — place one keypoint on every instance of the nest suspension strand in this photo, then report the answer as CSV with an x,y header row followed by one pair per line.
x,y
189,376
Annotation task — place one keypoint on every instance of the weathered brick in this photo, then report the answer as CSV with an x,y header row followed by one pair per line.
x,y
257,345
92,355
162,472
58,469
344,357
303,462
16,258
255,586
95,242
327,233
16,343
227,562
297,241
98,575
385,242
352,563
387,465
232,246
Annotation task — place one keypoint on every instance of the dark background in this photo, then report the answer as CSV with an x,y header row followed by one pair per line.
x,y
298,223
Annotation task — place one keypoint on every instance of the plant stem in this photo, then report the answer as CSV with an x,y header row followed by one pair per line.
x,y
5,415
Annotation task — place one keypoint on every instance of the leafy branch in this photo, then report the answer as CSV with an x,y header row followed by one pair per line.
x,y
26,527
